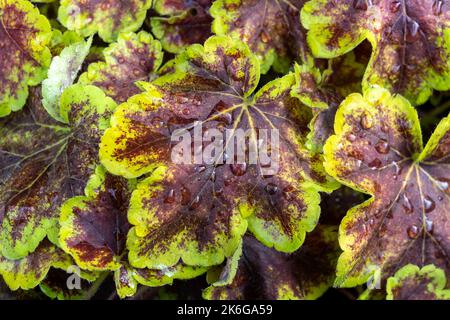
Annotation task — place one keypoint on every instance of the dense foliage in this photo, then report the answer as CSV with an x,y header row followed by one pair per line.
x,y
93,91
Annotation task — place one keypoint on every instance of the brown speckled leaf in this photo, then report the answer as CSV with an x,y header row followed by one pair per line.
x,y
410,40
135,57
181,23
42,163
264,273
196,212
377,149
24,55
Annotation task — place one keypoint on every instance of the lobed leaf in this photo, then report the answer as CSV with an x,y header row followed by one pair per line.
x,y
181,23
24,54
94,228
264,273
26,273
410,40
377,149
135,57
271,28
62,74
198,213
44,162
413,283
108,18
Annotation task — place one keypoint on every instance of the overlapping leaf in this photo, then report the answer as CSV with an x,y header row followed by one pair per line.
x,y
62,74
28,272
55,285
108,18
24,55
43,163
378,150
264,273
410,40
181,23
135,57
197,213
94,229
271,28
413,283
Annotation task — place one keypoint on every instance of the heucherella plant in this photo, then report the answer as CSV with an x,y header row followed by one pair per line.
x,y
225,149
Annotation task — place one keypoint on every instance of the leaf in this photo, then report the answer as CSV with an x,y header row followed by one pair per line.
x,y
55,286
272,29
413,283
197,213
62,74
24,55
61,40
28,272
181,23
44,162
135,57
313,90
264,273
410,41
94,228
108,18
378,150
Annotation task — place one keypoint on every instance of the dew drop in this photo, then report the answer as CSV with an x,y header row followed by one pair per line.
x,y
429,204
271,188
382,147
440,198
395,6
396,68
170,197
185,196
398,170
213,176
195,204
239,169
437,7
366,121
406,204
375,164
218,192
362,4
351,137
428,225
265,37
364,228
413,232
444,184
186,111
384,127
412,30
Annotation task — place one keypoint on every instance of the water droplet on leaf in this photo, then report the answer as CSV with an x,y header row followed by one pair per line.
x,y
239,169
271,188
413,232
428,204
382,147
